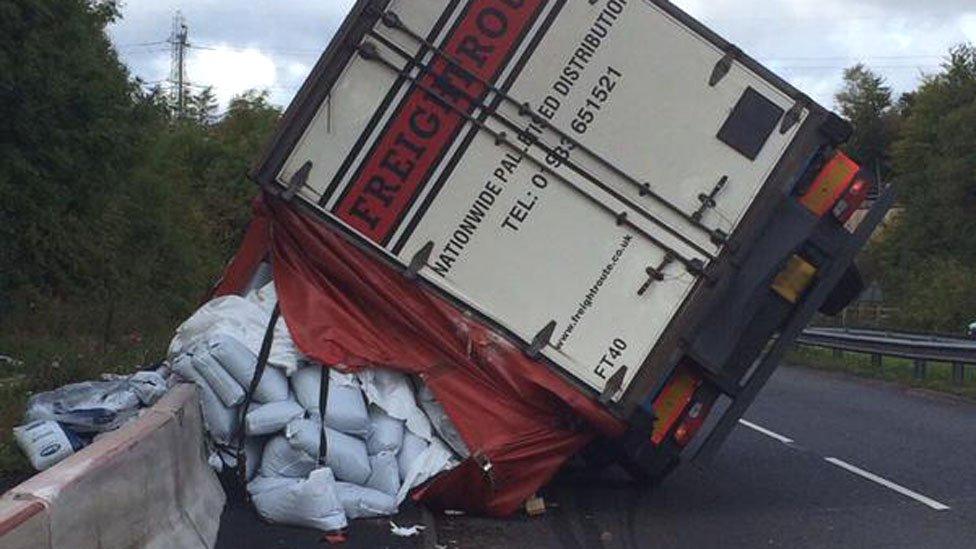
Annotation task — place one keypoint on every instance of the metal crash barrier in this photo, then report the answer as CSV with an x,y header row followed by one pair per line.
x,y
922,348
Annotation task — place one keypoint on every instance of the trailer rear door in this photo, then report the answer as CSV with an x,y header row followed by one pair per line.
x,y
550,164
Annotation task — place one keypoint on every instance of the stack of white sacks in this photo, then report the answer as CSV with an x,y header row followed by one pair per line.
x,y
379,442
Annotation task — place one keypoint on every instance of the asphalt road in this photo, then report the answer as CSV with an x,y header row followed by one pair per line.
x,y
826,461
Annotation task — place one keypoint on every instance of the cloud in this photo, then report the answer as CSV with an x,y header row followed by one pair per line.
x,y
809,42
231,71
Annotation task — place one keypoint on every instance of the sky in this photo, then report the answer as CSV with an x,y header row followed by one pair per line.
x,y
272,44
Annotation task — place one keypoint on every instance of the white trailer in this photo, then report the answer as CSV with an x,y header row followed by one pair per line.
x,y
595,179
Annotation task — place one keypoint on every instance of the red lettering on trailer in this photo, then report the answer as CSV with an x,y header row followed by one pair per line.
x,y
425,125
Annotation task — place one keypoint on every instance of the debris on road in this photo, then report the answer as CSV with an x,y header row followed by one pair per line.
x,y
406,532
535,506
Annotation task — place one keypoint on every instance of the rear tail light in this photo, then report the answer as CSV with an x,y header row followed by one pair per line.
x,y
692,423
854,198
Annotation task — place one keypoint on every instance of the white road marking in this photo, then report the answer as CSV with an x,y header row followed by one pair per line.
x,y
767,432
888,484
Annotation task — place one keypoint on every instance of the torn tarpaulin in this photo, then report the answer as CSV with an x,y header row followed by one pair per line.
x,y
345,307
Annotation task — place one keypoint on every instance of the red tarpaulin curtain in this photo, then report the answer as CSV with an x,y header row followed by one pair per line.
x,y
345,308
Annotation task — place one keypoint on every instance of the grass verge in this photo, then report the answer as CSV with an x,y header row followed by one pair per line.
x,y
902,371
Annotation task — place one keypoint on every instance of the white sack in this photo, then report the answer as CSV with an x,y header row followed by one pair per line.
x,y
241,364
386,433
436,459
183,366
413,448
242,319
220,421
281,459
360,502
385,475
253,449
394,394
345,410
311,503
345,455
305,385
229,391
44,442
270,418
445,427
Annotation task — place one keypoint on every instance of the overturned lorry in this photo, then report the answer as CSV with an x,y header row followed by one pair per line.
x,y
582,224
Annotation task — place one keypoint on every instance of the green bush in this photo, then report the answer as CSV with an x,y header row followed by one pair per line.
x,y
116,215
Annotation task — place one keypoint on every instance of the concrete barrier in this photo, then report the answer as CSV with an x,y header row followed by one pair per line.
x,y
145,485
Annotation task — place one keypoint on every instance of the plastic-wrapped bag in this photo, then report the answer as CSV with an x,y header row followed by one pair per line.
x,y
311,503
241,364
230,392
344,454
386,433
413,448
46,443
90,407
385,474
360,502
281,459
270,418
346,408
148,386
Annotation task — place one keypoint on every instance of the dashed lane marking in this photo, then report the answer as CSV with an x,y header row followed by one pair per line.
x,y
925,500
767,432
888,484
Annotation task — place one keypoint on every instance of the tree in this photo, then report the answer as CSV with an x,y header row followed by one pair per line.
x,y
114,216
201,107
68,134
928,261
866,100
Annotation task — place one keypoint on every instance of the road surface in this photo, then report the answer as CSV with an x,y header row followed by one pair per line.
x,y
824,460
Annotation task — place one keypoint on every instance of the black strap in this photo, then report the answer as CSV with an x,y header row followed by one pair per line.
x,y
249,395
323,405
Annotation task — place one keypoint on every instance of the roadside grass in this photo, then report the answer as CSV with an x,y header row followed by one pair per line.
x,y
48,362
902,371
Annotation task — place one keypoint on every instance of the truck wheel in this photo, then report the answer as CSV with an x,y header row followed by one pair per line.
x,y
648,464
